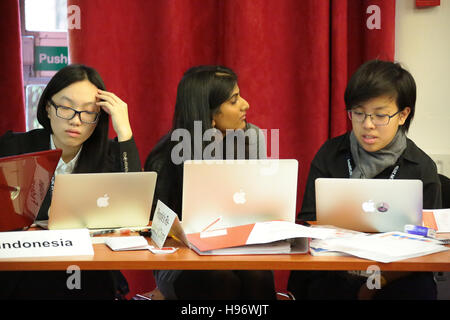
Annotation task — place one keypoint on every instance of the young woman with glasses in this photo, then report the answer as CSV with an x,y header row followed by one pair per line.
x,y
74,110
380,99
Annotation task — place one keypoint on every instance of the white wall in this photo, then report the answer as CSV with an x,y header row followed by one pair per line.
x,y
422,45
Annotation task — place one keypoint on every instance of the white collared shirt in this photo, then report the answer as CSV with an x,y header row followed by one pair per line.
x,y
62,167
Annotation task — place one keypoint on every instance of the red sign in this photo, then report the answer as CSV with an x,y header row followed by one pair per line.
x,y
427,3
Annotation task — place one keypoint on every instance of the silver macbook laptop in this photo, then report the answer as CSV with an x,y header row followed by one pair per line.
x,y
369,205
102,200
226,193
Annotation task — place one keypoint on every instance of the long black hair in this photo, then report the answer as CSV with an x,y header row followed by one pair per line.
x,y
93,153
200,93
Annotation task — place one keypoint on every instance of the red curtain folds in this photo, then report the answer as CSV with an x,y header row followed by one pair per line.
x,y
360,31
11,81
293,59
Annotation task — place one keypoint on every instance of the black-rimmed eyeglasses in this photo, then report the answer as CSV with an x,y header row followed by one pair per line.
x,y
68,113
378,119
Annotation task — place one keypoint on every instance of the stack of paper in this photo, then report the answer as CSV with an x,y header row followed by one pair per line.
x,y
316,245
384,247
272,237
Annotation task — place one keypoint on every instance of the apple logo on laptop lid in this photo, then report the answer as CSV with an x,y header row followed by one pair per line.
x,y
371,207
239,197
368,206
103,202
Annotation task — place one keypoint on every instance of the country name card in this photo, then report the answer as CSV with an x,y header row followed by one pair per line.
x,y
45,243
165,222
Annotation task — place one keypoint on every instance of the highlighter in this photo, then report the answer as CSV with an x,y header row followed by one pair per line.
x,y
420,231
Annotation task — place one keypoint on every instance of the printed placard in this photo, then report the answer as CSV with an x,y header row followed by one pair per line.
x,y
45,243
161,223
165,222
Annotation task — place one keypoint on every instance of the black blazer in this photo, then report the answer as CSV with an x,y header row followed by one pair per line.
x,y
121,157
331,162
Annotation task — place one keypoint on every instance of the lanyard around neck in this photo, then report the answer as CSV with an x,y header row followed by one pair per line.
x,y
350,169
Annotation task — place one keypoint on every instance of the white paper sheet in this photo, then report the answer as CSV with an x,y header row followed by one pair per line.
x,y
442,217
265,232
127,243
385,247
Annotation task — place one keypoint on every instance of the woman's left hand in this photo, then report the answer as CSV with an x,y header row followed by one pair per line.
x,y
118,110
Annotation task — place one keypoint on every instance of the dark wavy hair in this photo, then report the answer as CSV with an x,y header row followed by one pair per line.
x,y
200,93
376,78
93,153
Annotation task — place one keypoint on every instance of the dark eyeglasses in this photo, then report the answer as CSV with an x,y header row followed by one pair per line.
x,y
68,113
377,119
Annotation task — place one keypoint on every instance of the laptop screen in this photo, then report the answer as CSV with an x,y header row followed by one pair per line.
x,y
24,182
238,192
369,205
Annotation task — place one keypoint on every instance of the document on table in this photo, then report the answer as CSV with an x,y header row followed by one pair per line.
x,y
385,247
316,248
271,237
270,231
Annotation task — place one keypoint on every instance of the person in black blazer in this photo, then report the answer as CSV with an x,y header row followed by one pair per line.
x,y
74,111
380,99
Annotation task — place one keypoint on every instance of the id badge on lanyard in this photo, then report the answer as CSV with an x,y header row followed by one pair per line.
x,y
350,169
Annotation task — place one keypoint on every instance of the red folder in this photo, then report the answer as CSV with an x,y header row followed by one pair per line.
x,y
24,181
235,240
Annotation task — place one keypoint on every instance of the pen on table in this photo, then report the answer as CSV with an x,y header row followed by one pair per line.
x,y
212,223
97,233
145,232
123,231
174,237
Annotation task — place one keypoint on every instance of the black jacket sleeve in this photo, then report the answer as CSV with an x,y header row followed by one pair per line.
x,y
318,169
432,196
166,189
418,165
123,156
14,143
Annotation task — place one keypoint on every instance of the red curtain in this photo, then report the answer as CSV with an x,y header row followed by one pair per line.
x,y
11,81
293,59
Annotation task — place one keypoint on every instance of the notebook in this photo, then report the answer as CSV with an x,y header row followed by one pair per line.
x,y
228,193
102,200
24,182
369,205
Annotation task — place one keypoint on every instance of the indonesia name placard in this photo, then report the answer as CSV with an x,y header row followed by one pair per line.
x,y
45,243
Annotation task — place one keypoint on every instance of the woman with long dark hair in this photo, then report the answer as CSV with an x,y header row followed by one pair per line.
x,y
74,110
208,101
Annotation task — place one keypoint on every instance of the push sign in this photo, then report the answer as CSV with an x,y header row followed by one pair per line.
x,y
50,58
